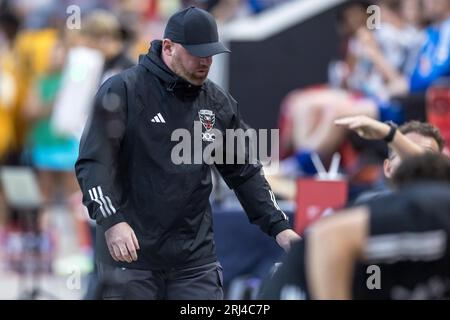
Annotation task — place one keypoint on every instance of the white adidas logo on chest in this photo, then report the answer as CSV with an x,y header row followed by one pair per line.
x,y
158,119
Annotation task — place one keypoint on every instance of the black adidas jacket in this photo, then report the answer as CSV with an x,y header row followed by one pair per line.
x,y
126,173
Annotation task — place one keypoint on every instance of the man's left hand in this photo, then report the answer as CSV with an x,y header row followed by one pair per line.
x,y
365,126
286,237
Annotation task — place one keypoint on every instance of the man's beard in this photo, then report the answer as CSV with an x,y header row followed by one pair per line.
x,y
179,69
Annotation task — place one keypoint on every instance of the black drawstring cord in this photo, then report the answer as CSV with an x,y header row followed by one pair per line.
x,y
172,86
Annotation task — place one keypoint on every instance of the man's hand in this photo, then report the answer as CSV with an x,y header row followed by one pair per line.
x,y
286,237
122,242
365,127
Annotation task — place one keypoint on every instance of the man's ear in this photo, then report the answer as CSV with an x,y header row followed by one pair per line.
x,y
387,168
167,47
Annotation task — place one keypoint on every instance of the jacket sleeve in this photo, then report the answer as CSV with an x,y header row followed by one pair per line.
x,y
97,164
250,186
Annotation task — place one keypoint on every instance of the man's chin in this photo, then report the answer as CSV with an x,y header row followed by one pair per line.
x,y
198,81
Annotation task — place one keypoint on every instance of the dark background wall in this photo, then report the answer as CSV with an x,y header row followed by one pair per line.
x,y
263,72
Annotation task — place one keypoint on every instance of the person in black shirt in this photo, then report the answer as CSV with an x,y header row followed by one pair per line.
x,y
394,247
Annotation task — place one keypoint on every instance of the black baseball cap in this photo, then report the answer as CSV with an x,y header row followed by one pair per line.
x,y
196,30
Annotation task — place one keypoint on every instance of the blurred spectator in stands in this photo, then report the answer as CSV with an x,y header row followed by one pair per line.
x,y
52,154
139,23
423,64
434,59
381,60
32,49
9,26
101,30
378,60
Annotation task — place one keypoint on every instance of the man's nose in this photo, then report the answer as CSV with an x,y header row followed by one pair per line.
x,y
206,61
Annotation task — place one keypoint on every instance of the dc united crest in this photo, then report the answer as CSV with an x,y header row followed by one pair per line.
x,y
207,118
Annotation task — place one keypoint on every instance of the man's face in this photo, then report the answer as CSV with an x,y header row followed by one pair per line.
x,y
193,69
393,162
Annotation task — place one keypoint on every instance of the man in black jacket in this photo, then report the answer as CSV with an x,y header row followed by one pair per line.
x,y
141,199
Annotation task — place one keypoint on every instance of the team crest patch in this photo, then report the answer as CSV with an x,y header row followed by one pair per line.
x,y
207,118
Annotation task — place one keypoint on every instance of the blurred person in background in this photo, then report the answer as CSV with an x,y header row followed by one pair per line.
x,y
9,26
53,154
35,42
434,57
33,47
404,234
411,139
136,20
102,31
384,58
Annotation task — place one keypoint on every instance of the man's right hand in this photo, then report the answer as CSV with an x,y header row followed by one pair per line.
x,y
122,242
